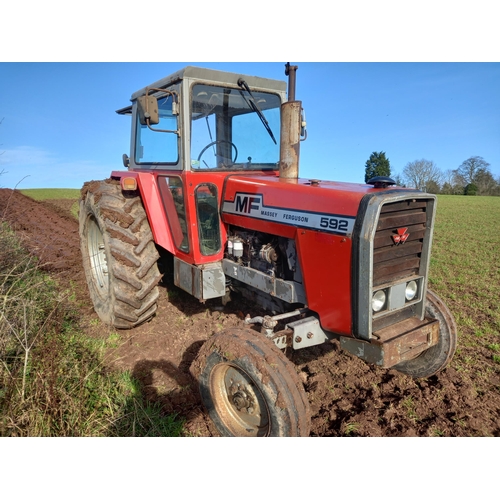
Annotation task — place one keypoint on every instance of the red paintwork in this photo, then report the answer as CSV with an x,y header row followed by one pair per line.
x,y
149,182
148,187
326,269
325,259
329,197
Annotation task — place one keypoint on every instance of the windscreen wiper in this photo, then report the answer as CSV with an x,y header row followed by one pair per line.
x,y
254,106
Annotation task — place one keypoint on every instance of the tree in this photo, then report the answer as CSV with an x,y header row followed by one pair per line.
x,y
420,173
471,167
449,179
459,182
432,187
398,179
377,165
470,190
446,188
486,184
454,183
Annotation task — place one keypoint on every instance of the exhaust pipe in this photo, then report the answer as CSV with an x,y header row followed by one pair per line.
x,y
291,124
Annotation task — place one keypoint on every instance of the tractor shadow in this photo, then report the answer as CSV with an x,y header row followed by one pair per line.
x,y
167,399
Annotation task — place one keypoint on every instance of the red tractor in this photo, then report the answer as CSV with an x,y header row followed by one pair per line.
x,y
212,181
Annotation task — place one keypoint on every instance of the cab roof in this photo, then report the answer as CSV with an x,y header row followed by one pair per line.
x,y
215,76
210,76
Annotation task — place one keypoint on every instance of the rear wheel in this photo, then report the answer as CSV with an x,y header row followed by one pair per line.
x,y
249,387
119,255
437,357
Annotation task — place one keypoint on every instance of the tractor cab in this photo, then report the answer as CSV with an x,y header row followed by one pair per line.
x,y
198,120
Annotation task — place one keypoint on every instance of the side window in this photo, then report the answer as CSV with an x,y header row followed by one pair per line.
x,y
156,146
172,192
208,218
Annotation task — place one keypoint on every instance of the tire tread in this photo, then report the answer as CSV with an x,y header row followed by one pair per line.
x,y
132,258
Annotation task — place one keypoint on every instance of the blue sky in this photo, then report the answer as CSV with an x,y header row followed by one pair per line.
x,y
60,128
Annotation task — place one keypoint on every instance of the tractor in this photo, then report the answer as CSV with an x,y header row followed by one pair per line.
x,y
212,182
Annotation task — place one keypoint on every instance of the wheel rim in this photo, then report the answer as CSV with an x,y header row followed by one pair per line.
x,y
97,256
239,402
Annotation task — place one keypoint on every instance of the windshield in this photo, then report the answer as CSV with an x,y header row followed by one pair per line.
x,y
227,132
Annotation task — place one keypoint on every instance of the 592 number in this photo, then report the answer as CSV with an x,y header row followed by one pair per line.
x,y
335,224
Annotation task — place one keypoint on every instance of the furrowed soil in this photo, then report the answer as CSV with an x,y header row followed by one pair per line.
x,y
347,396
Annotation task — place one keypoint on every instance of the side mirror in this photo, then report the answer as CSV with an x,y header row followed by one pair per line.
x,y
126,160
147,107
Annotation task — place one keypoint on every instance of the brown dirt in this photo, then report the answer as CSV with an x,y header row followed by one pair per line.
x,y
347,396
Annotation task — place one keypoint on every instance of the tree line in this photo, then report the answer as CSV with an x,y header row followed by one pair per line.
x,y
472,177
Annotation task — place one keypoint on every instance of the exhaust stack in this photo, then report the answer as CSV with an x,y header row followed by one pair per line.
x,y
291,125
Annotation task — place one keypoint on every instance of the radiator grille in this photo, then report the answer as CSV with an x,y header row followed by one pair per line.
x,y
391,261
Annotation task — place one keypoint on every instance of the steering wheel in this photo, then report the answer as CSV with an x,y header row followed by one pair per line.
x,y
219,142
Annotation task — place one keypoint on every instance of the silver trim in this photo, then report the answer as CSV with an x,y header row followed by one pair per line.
x,y
364,313
288,291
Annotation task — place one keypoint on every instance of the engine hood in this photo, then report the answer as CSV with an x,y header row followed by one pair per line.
x,y
318,205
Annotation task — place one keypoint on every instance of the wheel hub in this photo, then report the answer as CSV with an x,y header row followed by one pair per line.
x,y
97,255
242,400
239,401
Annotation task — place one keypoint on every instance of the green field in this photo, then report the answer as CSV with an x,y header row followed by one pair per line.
x,y
465,271
52,194
56,194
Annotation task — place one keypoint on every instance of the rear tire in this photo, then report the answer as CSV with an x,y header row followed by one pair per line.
x,y
119,255
249,387
437,357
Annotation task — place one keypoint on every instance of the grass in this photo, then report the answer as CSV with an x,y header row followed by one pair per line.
x,y
54,380
409,405
350,428
55,194
435,432
465,270
52,194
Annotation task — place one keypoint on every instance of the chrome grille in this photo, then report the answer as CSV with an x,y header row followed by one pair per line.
x,y
393,261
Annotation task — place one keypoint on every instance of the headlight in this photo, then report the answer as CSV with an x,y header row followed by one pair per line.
x,y
378,300
411,290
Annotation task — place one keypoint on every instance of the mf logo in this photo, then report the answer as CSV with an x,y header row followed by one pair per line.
x,y
246,203
402,235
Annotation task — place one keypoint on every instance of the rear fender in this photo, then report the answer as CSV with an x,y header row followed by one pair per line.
x,y
151,199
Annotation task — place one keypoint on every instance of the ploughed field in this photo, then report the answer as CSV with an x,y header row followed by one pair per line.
x,y
347,396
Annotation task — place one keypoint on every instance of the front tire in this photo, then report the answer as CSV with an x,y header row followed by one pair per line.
x,y
437,357
119,255
249,387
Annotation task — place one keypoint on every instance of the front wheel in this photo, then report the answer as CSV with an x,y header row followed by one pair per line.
x,y
249,387
437,357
